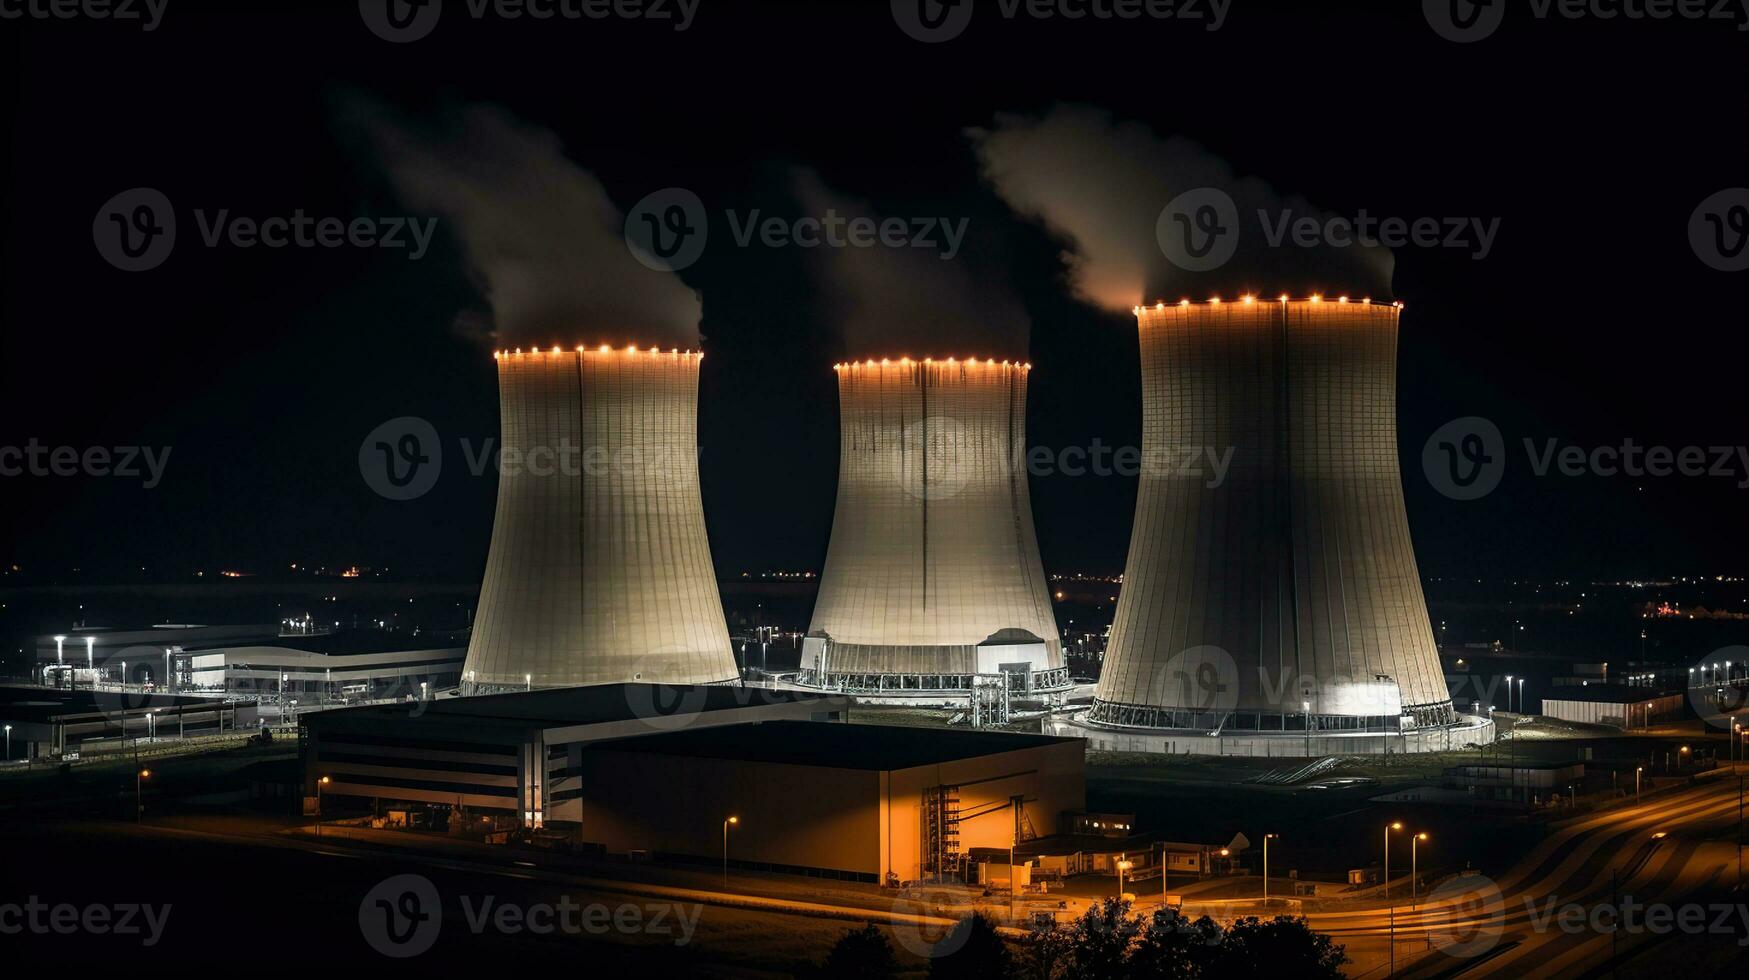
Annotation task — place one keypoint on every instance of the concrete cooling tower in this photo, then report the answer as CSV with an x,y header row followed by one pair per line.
x,y
1278,597
599,570
932,577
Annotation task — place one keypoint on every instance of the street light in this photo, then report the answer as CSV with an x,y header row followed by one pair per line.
x,y
139,808
1521,695
8,743
60,644
1637,771
1508,692
1122,866
726,823
1266,839
90,664
1393,825
528,682
1415,871
319,784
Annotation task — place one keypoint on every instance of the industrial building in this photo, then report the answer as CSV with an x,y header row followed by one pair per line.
x,y
321,667
599,570
1274,608
61,724
517,755
861,802
932,584
1617,705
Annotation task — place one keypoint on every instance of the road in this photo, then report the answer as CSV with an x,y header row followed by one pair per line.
x,y
1551,915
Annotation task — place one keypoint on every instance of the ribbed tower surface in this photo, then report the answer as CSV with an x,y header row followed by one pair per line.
x,y
600,569
933,550
1285,592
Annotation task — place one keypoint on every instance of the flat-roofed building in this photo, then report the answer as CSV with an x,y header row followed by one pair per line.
x,y
518,754
860,802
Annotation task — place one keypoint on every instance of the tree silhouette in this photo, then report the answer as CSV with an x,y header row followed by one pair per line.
x,y
861,954
1283,947
972,950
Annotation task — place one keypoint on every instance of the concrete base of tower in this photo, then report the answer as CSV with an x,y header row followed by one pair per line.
x,y
935,690
1466,731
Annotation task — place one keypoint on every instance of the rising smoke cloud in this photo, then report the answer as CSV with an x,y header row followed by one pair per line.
x,y
543,240
910,300
1101,183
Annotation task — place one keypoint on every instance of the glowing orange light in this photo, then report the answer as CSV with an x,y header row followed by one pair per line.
x,y
1250,299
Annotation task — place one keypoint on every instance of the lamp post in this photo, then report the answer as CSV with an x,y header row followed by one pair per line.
x,y
60,645
1393,825
1508,692
139,808
528,682
1266,839
1415,871
319,784
726,823
90,663
1122,866
1637,771
1521,695
8,743
167,668
124,676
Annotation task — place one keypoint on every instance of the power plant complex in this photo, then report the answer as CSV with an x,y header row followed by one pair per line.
x,y
932,585
1274,610
1277,610
600,568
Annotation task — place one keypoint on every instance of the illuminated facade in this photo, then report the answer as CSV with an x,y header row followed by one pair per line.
x,y
600,570
1277,594
932,577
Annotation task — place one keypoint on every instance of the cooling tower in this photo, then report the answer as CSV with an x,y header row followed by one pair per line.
x,y
1282,595
599,571
932,576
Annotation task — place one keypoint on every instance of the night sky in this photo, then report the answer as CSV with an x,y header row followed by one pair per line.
x,y
1591,322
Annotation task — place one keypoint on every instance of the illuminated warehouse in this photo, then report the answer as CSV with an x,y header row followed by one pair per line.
x,y
932,578
599,570
1278,610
